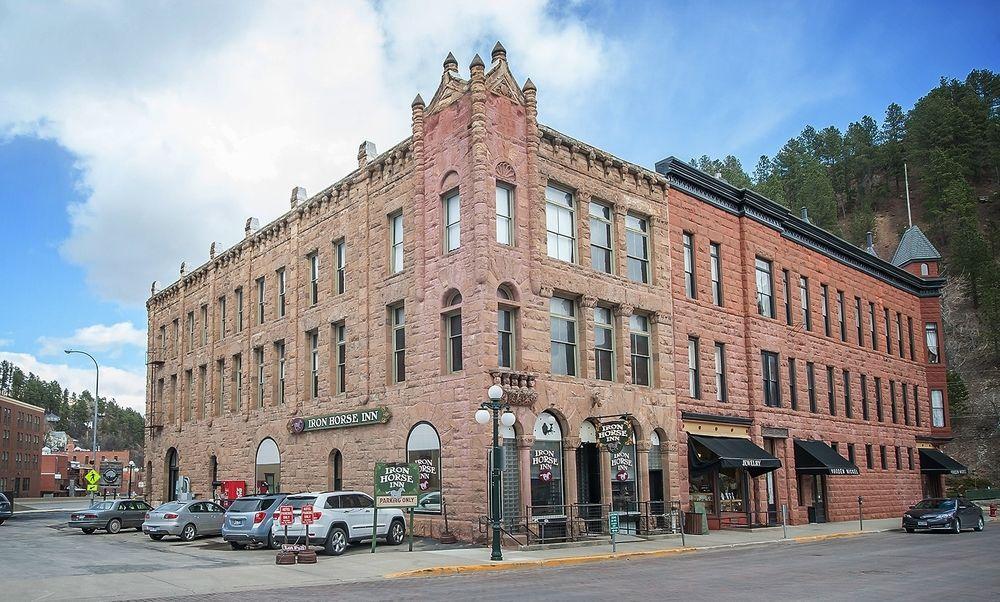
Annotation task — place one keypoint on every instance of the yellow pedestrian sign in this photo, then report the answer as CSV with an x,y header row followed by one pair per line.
x,y
92,478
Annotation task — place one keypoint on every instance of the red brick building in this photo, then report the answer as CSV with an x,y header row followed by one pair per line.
x,y
22,433
367,322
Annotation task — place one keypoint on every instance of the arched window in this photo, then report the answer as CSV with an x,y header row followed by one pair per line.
x,y
172,474
268,467
655,473
547,496
452,318
423,446
623,477
506,329
924,269
336,470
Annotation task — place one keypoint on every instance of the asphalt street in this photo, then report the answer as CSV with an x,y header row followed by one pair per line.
x,y
886,566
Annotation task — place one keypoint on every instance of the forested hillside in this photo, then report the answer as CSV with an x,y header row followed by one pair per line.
x,y
118,427
852,182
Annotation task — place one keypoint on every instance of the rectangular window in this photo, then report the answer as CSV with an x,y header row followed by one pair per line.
x,y
721,390
396,247
715,255
841,317
601,238
560,224
452,221
882,456
786,291
562,321
279,350
190,330
831,391
765,288
909,458
340,335
879,413
848,410
690,288
222,317
163,337
892,401
239,309
604,344
869,456
769,367
505,215
909,332
899,459
857,320
313,260
237,382
260,300
937,408
888,331
850,453
871,325
916,406
313,363
203,396
931,336
694,369
340,252
505,337
204,324
865,412
811,385
641,355
637,248
259,354
282,305
220,372
804,300
825,308
899,334
906,403
189,396
398,343
453,323
793,390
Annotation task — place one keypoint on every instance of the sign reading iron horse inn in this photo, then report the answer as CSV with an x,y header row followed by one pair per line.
x,y
339,420
396,484
614,435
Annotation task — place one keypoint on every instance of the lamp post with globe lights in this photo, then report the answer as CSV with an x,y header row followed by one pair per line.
x,y
488,409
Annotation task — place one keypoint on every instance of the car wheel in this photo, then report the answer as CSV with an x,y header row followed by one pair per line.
x,y
89,530
155,536
910,529
396,533
981,524
336,542
271,544
189,532
236,546
956,527
114,526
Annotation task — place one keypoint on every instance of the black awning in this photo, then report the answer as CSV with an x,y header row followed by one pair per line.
x,y
816,457
729,452
935,461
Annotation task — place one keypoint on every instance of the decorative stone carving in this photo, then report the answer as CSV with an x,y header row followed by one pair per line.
x,y
518,387
505,171
545,290
624,310
588,301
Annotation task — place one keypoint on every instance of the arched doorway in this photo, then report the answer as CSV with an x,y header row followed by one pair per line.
x,y
268,474
588,477
656,488
335,471
171,474
423,446
625,483
547,494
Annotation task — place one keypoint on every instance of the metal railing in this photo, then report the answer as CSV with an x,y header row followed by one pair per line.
x,y
750,519
576,522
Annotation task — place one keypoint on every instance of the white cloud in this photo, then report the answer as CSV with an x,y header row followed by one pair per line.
x,y
98,337
128,388
188,118
6,342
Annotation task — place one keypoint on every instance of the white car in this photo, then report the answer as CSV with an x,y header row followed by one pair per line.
x,y
340,518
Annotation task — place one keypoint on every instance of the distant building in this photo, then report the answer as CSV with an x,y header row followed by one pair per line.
x,y
21,437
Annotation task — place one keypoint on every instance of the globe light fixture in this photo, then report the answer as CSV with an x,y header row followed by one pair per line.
x,y
492,409
482,416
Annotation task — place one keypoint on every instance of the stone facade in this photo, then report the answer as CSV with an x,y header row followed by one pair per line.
x,y
22,435
476,135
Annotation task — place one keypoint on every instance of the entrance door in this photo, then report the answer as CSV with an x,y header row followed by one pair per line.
x,y
770,488
588,466
173,473
819,497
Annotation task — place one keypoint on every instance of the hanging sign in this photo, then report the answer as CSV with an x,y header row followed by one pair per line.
x,y
614,435
396,484
339,420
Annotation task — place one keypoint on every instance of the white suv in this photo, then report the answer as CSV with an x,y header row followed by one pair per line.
x,y
340,518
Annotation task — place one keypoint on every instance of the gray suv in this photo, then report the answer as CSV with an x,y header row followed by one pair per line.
x,y
248,520
6,508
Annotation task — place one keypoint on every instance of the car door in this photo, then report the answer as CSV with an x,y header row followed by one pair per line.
x,y
196,515
126,512
215,515
970,514
359,518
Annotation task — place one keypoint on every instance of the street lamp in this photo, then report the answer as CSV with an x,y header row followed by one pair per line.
x,y
131,469
493,408
97,384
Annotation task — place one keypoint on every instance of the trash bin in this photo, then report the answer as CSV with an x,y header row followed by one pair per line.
x,y
695,523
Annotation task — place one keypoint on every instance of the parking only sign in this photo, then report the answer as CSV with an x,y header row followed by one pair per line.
x,y
307,515
285,515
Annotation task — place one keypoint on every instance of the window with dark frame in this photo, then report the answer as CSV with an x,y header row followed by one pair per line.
x,y
604,344
340,252
313,364
694,369
261,298
857,319
793,391
865,412
869,456
453,325
909,331
282,305
879,413
765,288
899,460
916,405
259,353
786,289
602,253
909,458
340,334
505,337
906,403
637,248
871,325
715,253
831,391
690,287
825,308
848,410
899,334
279,351
641,353
769,369
313,259
931,337
721,390
888,331
841,316
883,458
398,324
850,453
811,385
804,302
892,402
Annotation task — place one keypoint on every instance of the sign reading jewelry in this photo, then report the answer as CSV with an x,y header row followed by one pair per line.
x,y
396,484
339,420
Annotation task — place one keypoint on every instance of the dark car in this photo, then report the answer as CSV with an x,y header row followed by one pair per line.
x,y
248,520
952,513
110,515
6,508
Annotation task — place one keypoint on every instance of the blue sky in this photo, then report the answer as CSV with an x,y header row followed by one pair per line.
x,y
144,131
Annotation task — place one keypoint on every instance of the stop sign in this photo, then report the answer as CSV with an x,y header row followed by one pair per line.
x,y
285,516
307,514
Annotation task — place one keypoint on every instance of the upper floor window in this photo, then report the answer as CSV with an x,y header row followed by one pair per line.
x,y
811,385
825,308
260,300
690,288
865,412
604,344
637,247
899,334
924,269
769,368
340,336
601,238
848,410
204,324
641,356
453,334
560,224
694,368
715,255
804,299
282,307
190,329
765,288
871,325
505,215
398,335
505,332
314,363
842,319
931,332
259,355
888,331
857,320
340,251
452,221
239,309
937,408
831,391
721,389
279,350
909,333
786,289
562,318
396,243
222,317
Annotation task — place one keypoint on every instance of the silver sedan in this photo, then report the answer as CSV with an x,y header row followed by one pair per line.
x,y
110,515
186,520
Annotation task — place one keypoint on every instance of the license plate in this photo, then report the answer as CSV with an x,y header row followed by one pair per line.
x,y
237,522
921,523
294,547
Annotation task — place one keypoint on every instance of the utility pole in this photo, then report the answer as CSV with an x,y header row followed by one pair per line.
x,y
97,384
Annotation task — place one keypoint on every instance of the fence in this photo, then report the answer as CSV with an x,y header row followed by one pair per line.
x,y
578,522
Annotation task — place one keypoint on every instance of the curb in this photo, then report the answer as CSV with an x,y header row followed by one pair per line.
x,y
437,571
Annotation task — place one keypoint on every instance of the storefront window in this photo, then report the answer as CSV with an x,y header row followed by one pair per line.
x,y
424,448
546,467
700,488
731,490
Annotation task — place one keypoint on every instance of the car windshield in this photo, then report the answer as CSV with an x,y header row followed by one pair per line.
x,y
103,506
247,505
298,502
170,507
936,504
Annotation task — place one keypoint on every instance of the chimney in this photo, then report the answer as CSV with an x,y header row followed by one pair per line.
x,y
152,289
805,215
870,243
366,153
211,251
298,196
252,225
183,268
